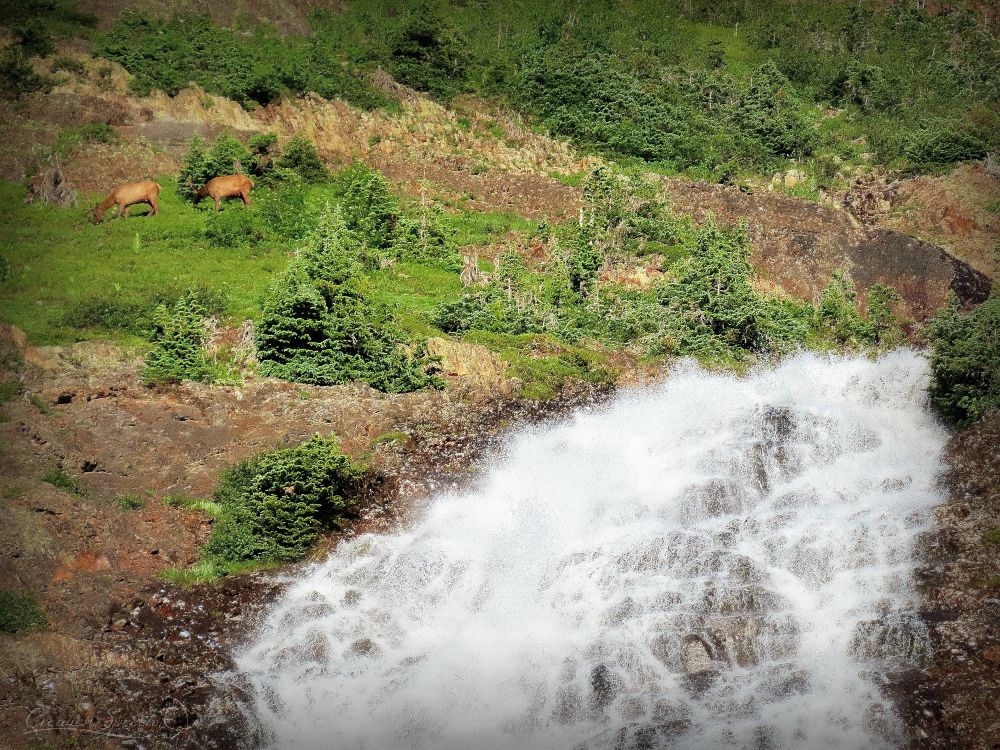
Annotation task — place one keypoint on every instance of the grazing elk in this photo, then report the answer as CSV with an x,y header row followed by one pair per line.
x,y
127,195
228,186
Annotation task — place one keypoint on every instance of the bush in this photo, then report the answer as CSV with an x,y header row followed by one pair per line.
x,y
943,144
242,227
178,351
965,360
370,208
425,240
19,610
276,504
300,156
427,54
17,77
318,326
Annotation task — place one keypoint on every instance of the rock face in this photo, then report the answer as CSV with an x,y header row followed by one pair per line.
x,y
798,245
955,701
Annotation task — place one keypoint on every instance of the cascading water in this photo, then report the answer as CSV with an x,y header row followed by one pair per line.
x,y
711,562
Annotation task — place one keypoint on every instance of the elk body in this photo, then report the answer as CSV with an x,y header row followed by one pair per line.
x,y
228,186
127,195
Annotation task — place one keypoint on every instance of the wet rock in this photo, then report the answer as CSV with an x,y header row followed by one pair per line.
x,y
696,656
895,637
604,685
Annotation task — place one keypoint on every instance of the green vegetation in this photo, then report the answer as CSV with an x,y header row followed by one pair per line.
x,y
57,477
716,89
275,505
965,361
178,351
209,507
256,68
130,502
704,306
19,610
319,326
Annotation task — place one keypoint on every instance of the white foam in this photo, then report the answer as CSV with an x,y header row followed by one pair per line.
x,y
766,522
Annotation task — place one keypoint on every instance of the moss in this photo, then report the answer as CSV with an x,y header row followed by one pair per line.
x,y
20,610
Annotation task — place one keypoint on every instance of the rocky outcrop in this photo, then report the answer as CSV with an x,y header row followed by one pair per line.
x,y
954,702
798,245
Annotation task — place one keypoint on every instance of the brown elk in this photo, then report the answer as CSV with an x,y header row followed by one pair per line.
x,y
228,186
127,195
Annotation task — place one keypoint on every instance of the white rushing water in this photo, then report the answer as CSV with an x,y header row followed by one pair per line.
x,y
711,562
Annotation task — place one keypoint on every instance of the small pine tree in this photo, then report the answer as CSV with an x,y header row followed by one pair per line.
x,y
965,360
370,208
277,503
300,156
194,173
178,351
427,54
318,327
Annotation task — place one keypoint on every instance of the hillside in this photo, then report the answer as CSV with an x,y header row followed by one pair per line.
x,y
465,217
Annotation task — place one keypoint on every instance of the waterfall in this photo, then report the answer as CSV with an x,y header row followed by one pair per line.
x,y
714,561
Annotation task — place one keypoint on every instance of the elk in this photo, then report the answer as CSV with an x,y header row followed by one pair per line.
x,y
127,195
228,186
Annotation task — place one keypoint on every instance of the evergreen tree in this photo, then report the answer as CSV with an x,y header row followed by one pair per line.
x,y
178,351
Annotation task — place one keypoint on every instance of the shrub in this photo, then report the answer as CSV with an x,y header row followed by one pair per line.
x,y
241,227
965,360
17,77
276,504
19,610
943,144
300,156
194,171
178,351
425,240
318,327
34,39
427,54
282,206
370,208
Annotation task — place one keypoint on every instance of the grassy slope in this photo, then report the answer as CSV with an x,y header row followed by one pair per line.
x,y
59,259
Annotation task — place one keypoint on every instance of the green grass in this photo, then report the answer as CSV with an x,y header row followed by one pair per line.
x,y
484,227
130,502
207,571
19,610
413,291
543,365
209,507
59,259
59,478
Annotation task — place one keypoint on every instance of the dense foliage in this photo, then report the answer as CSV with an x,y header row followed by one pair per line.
x,y
704,305
965,360
319,326
275,504
178,351
254,69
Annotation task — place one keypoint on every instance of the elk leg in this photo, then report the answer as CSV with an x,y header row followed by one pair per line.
x,y
218,204
153,205
245,195
122,211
